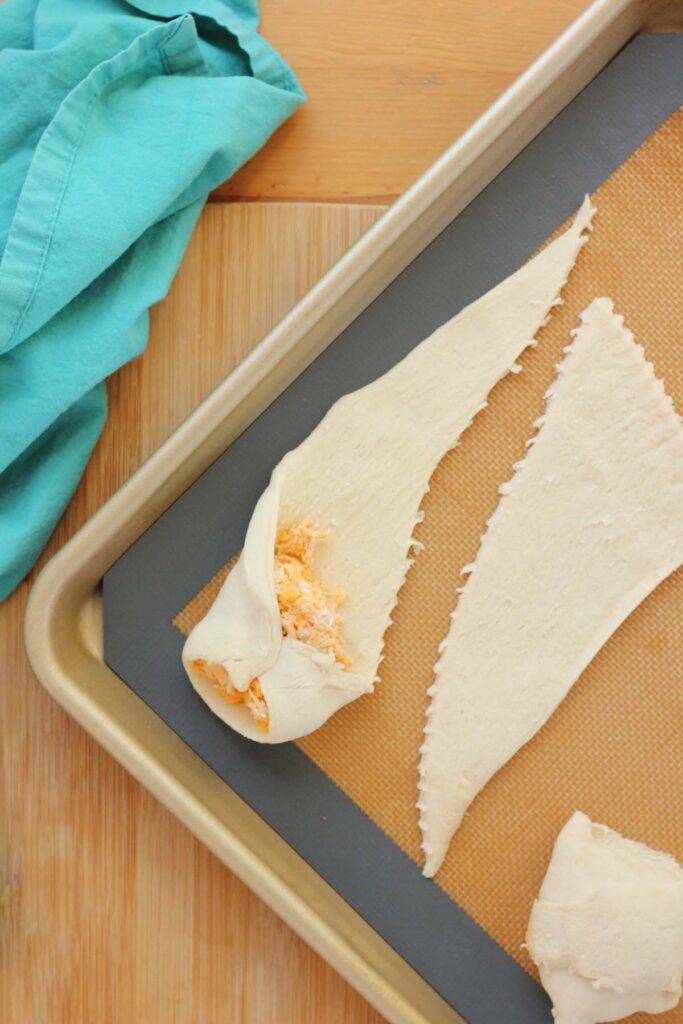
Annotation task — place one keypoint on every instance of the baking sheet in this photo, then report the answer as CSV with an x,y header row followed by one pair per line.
x,y
167,567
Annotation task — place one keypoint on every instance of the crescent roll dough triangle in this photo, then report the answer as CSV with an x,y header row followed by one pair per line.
x,y
591,522
606,931
297,630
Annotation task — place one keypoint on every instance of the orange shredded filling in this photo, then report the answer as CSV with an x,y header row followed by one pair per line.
x,y
252,697
307,612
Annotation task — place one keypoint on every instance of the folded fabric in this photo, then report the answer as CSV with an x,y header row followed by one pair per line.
x,y
117,120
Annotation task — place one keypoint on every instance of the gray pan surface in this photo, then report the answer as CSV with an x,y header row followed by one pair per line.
x,y
176,557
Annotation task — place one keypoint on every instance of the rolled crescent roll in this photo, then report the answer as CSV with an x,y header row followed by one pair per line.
x,y
297,630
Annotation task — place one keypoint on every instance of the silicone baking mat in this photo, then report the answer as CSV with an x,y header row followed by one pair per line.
x,y
613,749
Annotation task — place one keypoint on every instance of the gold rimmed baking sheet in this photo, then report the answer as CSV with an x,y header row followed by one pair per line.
x,y
614,747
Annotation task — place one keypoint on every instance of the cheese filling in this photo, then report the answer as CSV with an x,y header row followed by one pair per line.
x,y
252,697
308,613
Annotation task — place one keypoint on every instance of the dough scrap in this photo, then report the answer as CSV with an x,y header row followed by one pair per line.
x,y
606,931
590,523
360,477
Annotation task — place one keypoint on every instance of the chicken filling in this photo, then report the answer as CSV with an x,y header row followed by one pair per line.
x,y
308,613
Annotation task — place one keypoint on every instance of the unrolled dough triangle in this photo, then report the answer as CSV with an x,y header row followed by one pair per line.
x,y
591,522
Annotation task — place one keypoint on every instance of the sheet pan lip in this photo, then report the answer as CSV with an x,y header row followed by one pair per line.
x,y
73,574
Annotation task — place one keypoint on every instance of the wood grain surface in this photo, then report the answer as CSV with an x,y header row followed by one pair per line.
x,y
110,911
390,84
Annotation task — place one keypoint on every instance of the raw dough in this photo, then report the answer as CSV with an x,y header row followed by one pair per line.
x,y
607,929
591,522
361,476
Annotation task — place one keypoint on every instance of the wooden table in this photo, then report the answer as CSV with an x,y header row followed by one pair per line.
x,y
109,909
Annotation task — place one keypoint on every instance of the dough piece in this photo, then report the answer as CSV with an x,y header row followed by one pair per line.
x,y
607,929
358,478
591,522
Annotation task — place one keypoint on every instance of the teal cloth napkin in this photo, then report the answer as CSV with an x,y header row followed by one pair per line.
x,y
116,120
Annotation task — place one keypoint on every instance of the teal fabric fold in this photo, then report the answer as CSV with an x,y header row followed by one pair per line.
x,y
117,120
